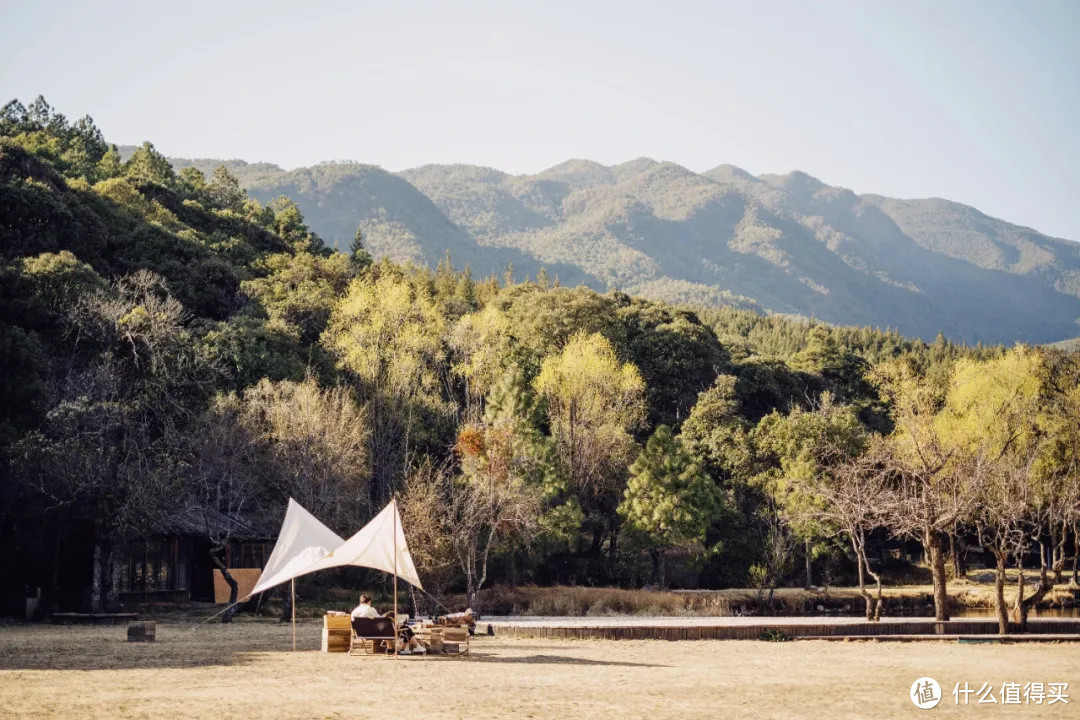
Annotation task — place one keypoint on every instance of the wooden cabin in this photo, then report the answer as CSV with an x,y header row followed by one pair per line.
x,y
174,564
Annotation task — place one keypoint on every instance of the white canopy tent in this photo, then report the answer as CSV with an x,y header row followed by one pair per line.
x,y
380,544
302,541
305,545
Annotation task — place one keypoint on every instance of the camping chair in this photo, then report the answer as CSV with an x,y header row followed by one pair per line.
x,y
368,632
455,640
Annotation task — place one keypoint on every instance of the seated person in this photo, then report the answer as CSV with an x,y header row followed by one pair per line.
x,y
365,609
408,643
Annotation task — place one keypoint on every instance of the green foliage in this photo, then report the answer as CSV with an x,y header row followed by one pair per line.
x,y
146,164
669,500
358,254
798,451
224,190
298,290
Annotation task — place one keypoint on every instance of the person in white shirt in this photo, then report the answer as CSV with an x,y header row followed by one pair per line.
x,y
364,609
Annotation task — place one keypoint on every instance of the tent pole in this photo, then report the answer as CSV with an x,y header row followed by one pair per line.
x,y
395,579
293,581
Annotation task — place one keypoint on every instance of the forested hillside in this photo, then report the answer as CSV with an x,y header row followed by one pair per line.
x,y
785,243
172,346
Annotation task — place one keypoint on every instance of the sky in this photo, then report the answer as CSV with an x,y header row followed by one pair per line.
x,y
972,100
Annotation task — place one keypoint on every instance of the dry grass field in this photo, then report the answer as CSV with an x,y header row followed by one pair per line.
x,y
246,671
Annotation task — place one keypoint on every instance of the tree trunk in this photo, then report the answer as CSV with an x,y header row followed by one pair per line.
x,y
873,607
999,593
936,557
234,587
286,607
860,561
96,590
809,564
112,591
1057,543
1022,607
954,555
1076,555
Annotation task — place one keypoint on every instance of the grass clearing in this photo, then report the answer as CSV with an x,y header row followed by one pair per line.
x,y
246,671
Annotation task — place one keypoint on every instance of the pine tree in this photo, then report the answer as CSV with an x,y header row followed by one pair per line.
x,y
466,288
359,256
146,164
224,190
669,501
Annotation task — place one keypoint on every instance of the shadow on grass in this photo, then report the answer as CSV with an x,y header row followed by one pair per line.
x,y
76,647
555,660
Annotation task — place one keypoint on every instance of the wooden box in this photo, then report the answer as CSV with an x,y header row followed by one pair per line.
x,y
337,622
142,632
336,640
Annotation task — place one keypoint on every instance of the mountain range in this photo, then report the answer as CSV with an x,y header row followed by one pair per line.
x,y
787,244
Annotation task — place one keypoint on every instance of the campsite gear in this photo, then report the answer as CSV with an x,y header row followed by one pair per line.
x,y
455,641
368,634
142,632
337,633
302,548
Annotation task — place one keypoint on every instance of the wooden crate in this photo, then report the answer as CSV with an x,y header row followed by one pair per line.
x,y
337,622
142,632
336,640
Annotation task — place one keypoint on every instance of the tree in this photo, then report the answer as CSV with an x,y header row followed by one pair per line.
x,y
677,355
225,487
853,497
224,190
389,338
801,447
669,501
146,164
314,447
481,342
358,254
110,165
428,525
1014,438
931,497
106,449
592,401
298,290
497,496
716,432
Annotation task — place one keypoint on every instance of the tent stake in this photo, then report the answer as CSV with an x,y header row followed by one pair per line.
x,y
294,614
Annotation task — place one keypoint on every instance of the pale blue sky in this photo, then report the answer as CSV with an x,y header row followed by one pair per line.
x,y
975,101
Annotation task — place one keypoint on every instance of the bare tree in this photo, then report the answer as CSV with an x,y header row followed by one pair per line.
x,y
777,551
855,498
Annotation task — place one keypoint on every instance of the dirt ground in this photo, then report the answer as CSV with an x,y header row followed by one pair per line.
x,y
245,670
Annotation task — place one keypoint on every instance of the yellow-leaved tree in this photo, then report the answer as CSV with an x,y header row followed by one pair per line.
x,y
593,403
388,335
